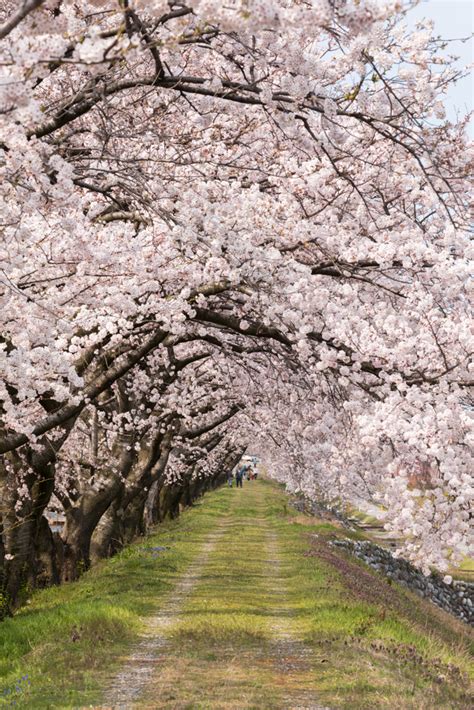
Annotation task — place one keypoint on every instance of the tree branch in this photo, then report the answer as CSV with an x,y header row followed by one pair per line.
x,y
26,7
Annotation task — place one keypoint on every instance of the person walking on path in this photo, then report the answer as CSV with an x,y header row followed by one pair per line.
x,y
239,476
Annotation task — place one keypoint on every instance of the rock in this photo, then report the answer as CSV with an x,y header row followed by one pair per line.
x,y
457,599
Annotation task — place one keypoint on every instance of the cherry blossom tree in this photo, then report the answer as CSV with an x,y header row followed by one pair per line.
x,y
224,223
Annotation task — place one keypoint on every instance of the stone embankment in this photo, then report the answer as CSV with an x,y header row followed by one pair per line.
x,y
456,598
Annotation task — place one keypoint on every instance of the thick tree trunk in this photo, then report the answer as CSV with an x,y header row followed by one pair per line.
x,y
132,522
106,539
81,521
76,539
168,501
126,517
25,534
26,487
85,514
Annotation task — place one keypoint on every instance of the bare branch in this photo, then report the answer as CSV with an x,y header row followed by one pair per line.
x,y
26,7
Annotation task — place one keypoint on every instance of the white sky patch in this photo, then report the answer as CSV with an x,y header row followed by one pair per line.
x,y
453,20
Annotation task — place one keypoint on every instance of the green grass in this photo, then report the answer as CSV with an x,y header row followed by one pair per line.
x,y
276,616
61,648
364,653
364,518
464,571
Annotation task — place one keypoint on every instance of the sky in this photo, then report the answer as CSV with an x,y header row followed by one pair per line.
x,y
453,19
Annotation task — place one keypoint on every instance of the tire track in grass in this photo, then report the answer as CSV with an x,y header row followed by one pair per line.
x,y
292,657
130,683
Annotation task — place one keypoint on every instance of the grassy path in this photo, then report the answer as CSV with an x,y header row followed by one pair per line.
x,y
130,683
234,644
240,604
267,625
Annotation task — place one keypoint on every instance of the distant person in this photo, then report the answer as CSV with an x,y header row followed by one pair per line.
x,y
239,476
229,479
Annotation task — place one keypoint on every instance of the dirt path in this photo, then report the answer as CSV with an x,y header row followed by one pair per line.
x,y
267,616
130,683
224,638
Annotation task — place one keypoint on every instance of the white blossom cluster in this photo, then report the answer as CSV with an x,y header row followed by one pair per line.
x,y
237,222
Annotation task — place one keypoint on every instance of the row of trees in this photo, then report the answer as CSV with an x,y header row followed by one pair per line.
x,y
223,224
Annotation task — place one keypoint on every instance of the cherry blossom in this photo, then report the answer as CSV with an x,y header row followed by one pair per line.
x,y
229,226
